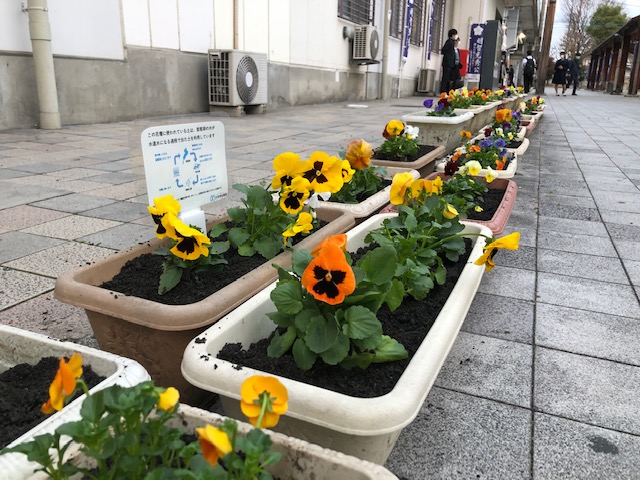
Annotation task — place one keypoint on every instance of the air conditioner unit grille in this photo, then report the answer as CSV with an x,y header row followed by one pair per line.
x,y
219,78
360,43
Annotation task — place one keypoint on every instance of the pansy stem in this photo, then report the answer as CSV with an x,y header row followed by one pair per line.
x,y
264,403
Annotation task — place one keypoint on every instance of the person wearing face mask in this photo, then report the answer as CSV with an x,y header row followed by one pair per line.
x,y
450,64
560,74
574,69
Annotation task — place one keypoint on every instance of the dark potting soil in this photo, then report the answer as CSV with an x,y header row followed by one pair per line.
x,y
139,277
514,144
409,325
422,150
489,205
24,389
362,197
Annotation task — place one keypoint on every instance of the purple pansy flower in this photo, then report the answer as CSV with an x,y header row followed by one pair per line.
x,y
451,168
486,143
506,127
500,143
428,103
503,152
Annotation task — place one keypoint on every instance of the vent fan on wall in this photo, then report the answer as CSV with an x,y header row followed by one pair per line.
x,y
366,42
237,78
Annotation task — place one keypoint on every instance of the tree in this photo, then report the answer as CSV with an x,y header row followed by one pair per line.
x,y
605,21
577,14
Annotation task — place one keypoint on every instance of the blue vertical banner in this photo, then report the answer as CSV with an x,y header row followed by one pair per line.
x,y
476,41
406,38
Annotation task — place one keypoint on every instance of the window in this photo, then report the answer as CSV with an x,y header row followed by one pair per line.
x,y
437,32
360,12
398,13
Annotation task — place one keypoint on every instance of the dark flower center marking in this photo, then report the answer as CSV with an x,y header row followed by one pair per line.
x,y
328,281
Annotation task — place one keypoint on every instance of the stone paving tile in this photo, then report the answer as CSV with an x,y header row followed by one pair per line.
x,y
594,334
457,436
74,203
115,178
564,211
119,211
12,195
564,449
24,216
75,173
524,257
111,155
508,282
586,294
114,166
633,270
528,236
57,260
7,174
490,368
605,269
577,387
57,182
623,218
571,226
16,287
120,237
576,243
71,227
568,200
17,244
577,191
48,316
603,188
123,191
520,218
490,315
42,167
629,233
627,250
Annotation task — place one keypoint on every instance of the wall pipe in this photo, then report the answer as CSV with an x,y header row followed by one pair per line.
x,y
40,33
384,89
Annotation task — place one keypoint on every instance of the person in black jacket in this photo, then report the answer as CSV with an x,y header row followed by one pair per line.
x,y
560,74
450,64
574,73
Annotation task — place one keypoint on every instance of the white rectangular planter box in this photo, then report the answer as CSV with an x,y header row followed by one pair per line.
x,y
21,346
363,427
443,131
372,204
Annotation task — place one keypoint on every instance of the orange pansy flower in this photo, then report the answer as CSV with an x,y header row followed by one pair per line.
x,y
64,383
339,240
328,277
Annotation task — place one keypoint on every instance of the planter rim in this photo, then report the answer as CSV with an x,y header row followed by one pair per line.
x,y
422,117
33,346
74,288
375,202
337,411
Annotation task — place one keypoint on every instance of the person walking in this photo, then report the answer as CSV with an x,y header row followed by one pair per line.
x,y
574,70
510,73
528,71
450,66
560,74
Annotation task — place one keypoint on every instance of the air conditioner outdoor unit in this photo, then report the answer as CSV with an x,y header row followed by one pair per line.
x,y
237,78
366,42
426,79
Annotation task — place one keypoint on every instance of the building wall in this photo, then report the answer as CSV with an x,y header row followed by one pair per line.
x,y
122,59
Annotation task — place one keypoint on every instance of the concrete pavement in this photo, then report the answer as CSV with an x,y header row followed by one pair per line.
x,y
544,379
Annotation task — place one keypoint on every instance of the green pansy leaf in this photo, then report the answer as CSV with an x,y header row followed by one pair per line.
x,y
241,187
360,360
379,265
217,230
338,350
395,295
389,350
268,247
303,318
216,248
321,333
280,344
237,236
170,277
281,319
440,274
303,357
360,322
301,259
236,214
287,297
246,250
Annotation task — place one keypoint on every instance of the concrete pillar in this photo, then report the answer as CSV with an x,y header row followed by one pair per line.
x,y
40,33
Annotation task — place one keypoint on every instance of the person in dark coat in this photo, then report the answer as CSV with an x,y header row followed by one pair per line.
x,y
574,70
560,74
450,65
529,71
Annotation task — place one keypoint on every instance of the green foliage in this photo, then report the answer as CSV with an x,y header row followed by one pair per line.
x,y
399,146
463,192
605,21
421,238
363,184
348,334
125,436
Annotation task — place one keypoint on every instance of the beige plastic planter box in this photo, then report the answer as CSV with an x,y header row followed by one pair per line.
x,y
367,428
443,131
156,334
372,204
21,346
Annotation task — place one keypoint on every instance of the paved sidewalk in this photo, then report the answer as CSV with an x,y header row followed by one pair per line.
x,y
544,379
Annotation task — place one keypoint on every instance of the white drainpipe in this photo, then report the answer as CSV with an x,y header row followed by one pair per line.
x,y
384,89
43,62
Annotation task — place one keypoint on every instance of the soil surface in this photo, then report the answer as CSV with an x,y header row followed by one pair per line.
x,y
422,150
489,204
23,390
409,324
514,144
139,277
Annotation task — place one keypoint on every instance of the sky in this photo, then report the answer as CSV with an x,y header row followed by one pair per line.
x,y
631,7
